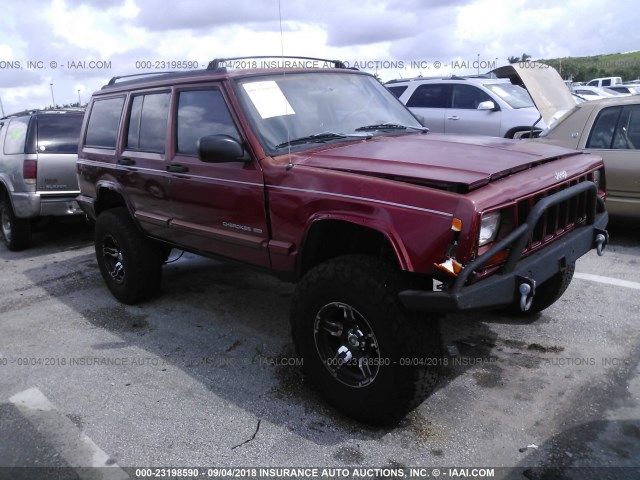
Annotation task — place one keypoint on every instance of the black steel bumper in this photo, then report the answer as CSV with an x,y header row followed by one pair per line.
x,y
502,288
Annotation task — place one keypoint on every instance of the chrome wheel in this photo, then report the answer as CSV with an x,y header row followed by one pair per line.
x,y
6,223
112,257
346,344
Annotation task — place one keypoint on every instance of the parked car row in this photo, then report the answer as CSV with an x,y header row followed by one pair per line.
x,y
322,177
499,107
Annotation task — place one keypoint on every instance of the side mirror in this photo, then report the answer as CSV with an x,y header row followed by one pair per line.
x,y
488,105
221,149
420,118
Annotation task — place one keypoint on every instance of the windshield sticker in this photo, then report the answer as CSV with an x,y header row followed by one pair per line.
x,y
268,99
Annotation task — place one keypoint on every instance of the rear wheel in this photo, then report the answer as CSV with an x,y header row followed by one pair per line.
x,y
369,357
16,232
131,265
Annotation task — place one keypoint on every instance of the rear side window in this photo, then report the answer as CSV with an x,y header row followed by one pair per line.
x,y
16,135
201,113
148,122
58,133
102,131
398,90
429,96
602,132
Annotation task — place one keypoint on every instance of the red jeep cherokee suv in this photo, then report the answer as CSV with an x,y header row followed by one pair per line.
x,y
321,176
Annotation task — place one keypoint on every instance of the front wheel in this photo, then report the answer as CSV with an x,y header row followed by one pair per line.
x,y
368,356
130,264
16,232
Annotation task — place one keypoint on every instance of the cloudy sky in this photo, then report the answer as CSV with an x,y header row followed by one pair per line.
x,y
78,45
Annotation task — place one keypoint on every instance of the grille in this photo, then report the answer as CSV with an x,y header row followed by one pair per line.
x,y
557,220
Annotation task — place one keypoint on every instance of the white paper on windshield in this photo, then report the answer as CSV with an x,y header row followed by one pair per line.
x,y
268,99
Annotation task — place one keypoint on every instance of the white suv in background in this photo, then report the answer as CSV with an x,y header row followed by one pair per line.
x,y
477,106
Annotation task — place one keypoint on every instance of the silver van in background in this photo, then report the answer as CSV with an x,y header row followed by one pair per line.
x,y
38,153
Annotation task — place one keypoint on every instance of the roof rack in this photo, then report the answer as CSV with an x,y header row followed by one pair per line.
x,y
215,63
34,111
115,79
440,77
434,77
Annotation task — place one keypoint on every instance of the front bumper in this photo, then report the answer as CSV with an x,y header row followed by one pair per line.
x,y
503,287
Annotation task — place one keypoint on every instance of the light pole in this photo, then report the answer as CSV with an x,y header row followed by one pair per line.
x,y
478,64
2,107
52,99
79,97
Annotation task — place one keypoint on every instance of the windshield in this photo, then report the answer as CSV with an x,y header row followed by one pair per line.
x,y
301,109
514,95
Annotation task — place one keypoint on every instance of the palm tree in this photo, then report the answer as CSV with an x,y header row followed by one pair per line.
x,y
524,58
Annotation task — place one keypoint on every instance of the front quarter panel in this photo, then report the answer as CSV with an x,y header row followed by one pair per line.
x,y
415,219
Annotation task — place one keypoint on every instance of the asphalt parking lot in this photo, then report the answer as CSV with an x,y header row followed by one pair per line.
x,y
205,375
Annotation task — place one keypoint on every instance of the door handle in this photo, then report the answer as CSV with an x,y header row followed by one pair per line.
x,y
454,117
126,161
177,168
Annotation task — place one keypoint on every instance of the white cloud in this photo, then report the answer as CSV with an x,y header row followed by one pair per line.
x,y
124,31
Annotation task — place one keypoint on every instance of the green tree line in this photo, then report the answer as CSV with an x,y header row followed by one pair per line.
x,y
583,69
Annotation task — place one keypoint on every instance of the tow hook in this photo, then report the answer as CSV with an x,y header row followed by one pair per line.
x,y
527,291
601,240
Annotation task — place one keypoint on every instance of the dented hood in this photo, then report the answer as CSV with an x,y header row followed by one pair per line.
x,y
546,87
463,162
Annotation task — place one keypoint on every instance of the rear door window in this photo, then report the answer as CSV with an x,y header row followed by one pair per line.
x,y
104,122
148,122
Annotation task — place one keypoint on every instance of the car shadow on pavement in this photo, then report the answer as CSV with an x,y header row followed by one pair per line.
x,y
52,235
228,328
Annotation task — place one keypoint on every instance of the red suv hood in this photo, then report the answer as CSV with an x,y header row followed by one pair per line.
x,y
468,161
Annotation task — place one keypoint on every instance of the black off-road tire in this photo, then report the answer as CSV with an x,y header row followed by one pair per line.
x,y
547,293
130,264
15,232
409,345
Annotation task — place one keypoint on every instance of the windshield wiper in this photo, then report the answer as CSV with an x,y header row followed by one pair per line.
x,y
316,138
390,126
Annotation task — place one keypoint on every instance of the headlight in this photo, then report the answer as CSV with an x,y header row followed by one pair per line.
x,y
597,178
489,226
